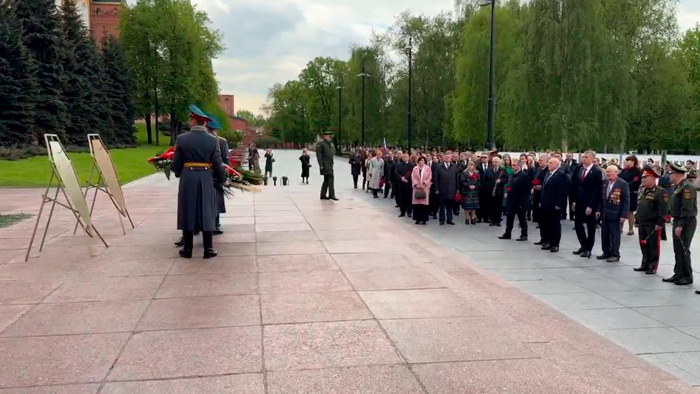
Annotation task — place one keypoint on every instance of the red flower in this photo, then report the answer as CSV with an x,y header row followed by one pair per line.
x,y
536,182
472,176
643,242
635,179
507,189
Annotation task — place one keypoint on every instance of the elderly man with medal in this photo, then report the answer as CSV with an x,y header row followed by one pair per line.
x,y
197,162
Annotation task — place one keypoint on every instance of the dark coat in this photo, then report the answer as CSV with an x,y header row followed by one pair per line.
x,y
537,195
588,189
616,205
305,165
389,165
519,195
196,199
404,170
324,155
554,190
355,164
445,179
268,162
633,177
219,187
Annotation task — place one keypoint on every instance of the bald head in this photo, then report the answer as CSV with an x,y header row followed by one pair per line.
x,y
553,164
611,173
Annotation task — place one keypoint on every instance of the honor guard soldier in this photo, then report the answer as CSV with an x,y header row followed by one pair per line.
x,y
684,210
650,218
213,126
197,162
324,155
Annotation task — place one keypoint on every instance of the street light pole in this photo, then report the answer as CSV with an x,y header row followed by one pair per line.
x,y
340,117
410,77
363,75
489,121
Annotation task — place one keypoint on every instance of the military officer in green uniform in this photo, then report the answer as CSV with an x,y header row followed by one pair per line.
x,y
324,155
684,210
650,217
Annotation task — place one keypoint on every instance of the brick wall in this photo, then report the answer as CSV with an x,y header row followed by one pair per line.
x,y
104,19
227,103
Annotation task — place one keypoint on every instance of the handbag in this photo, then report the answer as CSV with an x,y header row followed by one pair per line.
x,y
419,194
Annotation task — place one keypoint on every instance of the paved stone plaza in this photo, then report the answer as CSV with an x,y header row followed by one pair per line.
x,y
312,296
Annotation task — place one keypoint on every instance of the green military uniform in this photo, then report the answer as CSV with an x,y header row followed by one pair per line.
x,y
651,212
683,210
324,154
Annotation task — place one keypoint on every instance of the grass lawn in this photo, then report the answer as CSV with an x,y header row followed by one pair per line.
x,y
130,164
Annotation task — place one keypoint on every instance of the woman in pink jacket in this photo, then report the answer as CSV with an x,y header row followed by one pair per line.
x,y
421,179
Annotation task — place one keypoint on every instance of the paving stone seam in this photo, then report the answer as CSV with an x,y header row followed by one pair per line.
x,y
374,317
131,335
30,309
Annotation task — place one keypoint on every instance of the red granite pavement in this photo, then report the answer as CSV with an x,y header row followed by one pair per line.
x,y
307,296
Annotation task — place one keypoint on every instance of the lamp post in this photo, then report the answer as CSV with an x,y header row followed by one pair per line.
x,y
363,75
489,121
340,117
409,118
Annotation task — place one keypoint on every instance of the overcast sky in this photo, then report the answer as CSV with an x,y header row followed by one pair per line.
x,y
270,41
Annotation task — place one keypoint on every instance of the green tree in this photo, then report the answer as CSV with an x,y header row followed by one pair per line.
x,y
120,87
38,23
18,89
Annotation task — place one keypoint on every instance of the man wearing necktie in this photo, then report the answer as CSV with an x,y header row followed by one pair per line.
x,y
552,203
588,195
614,208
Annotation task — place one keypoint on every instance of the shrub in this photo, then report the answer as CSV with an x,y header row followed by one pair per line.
x,y
267,142
233,137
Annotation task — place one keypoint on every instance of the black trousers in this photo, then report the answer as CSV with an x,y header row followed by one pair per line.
x,y
585,228
550,226
446,209
510,218
483,212
496,207
455,207
405,199
328,186
388,187
397,193
611,231
650,243
681,249
434,203
572,214
354,180
207,239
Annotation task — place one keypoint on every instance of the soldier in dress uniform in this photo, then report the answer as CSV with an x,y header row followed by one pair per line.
x,y
684,210
324,155
213,126
650,218
197,162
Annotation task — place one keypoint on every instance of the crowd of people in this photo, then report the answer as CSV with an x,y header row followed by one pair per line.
x,y
542,190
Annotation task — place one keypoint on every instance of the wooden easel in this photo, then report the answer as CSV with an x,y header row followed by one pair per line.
x,y
61,166
102,184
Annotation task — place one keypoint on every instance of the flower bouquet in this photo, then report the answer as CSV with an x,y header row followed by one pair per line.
x,y
237,180
163,161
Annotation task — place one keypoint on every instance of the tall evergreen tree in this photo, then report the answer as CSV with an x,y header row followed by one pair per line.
x,y
38,22
78,90
119,89
18,88
100,104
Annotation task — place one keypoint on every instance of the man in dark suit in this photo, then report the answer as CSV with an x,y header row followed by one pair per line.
x,y
482,214
389,164
588,183
542,171
570,168
518,201
445,178
403,175
614,207
494,181
431,161
552,202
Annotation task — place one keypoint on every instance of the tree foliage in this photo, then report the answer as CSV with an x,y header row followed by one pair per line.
x,y
171,45
612,75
